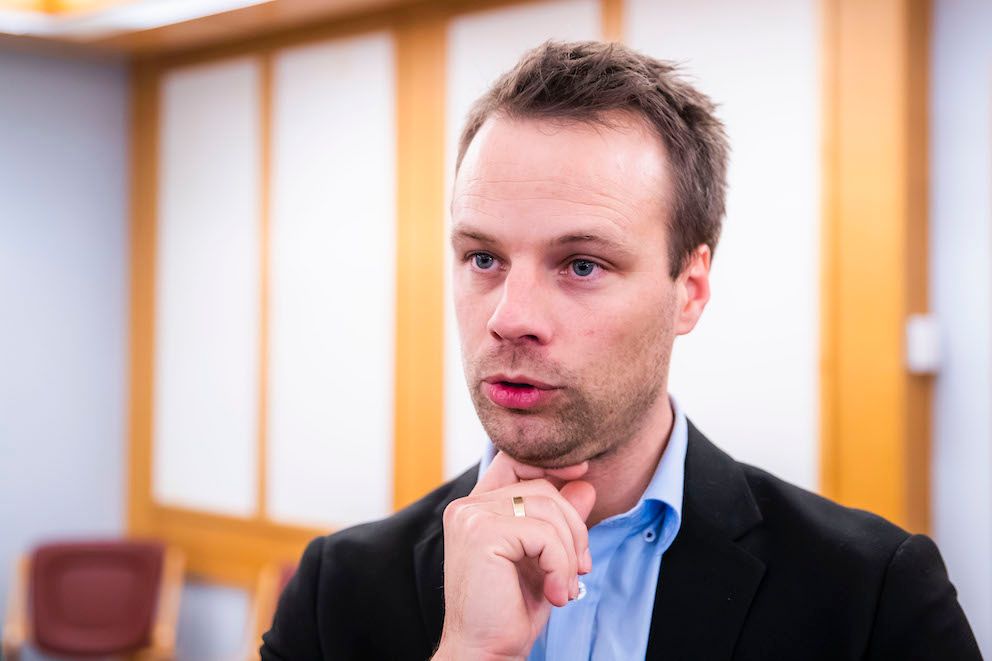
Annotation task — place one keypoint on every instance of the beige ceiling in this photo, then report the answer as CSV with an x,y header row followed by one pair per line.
x,y
60,6
161,26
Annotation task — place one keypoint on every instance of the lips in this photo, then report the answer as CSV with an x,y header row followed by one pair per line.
x,y
518,392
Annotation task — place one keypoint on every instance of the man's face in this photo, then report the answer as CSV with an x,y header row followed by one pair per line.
x,y
565,307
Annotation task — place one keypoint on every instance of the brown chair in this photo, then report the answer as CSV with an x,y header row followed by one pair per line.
x,y
272,580
95,599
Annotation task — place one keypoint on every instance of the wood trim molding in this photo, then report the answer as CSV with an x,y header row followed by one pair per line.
x,y
920,389
828,250
265,103
612,17
229,549
144,194
419,404
875,417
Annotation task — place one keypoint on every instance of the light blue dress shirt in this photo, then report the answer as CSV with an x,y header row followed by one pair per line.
x,y
613,619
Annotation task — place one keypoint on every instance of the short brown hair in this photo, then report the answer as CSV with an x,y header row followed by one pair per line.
x,y
584,80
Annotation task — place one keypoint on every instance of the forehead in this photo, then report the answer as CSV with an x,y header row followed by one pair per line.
x,y
615,169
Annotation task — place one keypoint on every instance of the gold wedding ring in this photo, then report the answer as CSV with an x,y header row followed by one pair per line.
x,y
518,506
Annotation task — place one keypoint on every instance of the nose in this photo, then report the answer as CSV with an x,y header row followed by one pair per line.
x,y
522,313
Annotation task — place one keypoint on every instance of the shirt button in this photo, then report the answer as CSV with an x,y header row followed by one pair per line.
x,y
649,535
582,591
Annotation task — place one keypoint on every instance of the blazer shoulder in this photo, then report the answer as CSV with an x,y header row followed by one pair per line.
x,y
811,521
349,583
906,597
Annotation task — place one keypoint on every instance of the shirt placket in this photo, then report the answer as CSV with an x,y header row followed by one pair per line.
x,y
572,629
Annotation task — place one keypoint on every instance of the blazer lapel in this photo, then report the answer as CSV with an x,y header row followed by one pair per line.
x,y
428,560
707,581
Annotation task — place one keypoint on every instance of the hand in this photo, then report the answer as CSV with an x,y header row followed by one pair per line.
x,y
503,573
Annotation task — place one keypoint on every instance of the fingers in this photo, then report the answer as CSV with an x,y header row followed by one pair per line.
x,y
574,519
563,519
534,538
543,501
504,471
581,495
485,527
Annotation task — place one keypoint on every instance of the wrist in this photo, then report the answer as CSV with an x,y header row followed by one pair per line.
x,y
452,651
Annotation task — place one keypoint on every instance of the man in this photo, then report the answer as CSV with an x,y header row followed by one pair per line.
x,y
602,524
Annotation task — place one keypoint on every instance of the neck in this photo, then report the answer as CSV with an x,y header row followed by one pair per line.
x,y
621,476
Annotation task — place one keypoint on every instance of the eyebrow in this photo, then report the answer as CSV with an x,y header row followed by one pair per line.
x,y
567,239
594,239
466,233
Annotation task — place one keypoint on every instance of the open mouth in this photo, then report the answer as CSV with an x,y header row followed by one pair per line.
x,y
517,394
522,381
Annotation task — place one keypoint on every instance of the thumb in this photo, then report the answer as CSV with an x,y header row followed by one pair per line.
x,y
581,495
504,471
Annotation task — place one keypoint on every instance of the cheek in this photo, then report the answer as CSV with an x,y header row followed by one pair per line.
x,y
604,342
622,338
471,316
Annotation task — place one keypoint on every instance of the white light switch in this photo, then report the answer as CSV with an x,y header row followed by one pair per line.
x,y
922,344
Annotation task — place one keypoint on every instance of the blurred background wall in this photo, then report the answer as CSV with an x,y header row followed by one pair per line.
x,y
961,287
63,299
223,290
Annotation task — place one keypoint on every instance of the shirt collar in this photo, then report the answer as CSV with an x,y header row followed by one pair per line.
x,y
666,485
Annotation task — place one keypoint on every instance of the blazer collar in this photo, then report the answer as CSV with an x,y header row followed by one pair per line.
x,y
706,582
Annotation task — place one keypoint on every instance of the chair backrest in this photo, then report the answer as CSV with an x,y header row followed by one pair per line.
x,y
94,598
272,580
286,573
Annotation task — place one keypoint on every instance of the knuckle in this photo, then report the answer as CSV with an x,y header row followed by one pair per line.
x,y
465,520
542,503
547,530
475,522
454,510
450,511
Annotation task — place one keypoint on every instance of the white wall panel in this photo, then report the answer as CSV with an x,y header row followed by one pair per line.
x,y
961,295
332,303
481,46
207,284
748,374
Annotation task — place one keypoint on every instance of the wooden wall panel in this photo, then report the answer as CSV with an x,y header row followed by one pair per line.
x,y
875,422
333,281
206,289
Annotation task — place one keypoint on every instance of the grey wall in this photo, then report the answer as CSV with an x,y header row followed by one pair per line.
x,y
64,326
961,295
212,623
63,202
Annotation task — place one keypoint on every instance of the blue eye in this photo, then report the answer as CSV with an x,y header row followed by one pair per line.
x,y
483,261
583,268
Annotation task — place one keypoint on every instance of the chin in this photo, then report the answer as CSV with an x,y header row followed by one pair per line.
x,y
545,450
542,438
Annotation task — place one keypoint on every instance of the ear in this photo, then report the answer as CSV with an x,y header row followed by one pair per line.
x,y
693,288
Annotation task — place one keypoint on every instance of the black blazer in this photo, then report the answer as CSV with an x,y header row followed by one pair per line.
x,y
760,570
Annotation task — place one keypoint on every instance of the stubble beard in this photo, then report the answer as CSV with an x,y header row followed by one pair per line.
x,y
587,422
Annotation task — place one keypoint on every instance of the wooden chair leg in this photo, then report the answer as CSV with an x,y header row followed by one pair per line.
x,y
163,643
16,626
